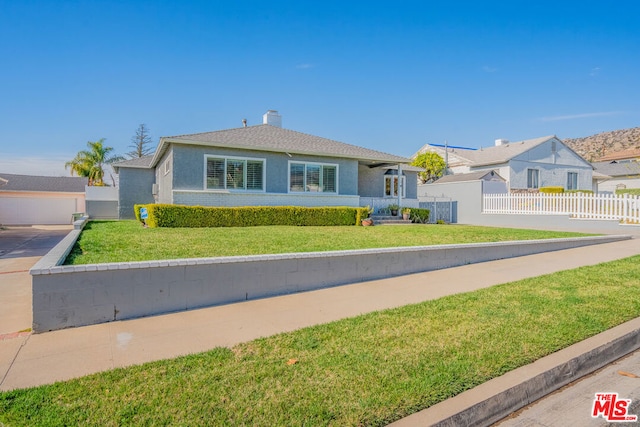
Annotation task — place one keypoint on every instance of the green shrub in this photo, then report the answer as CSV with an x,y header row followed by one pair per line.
x,y
551,190
162,215
629,191
420,216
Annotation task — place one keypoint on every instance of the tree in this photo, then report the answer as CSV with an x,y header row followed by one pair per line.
x,y
433,165
90,163
140,143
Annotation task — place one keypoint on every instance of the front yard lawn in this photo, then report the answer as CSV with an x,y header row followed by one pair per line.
x,y
121,241
364,371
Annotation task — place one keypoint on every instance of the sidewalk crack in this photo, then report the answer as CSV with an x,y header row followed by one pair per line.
x,y
13,361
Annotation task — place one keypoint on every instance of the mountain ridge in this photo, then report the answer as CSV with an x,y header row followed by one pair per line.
x,y
593,147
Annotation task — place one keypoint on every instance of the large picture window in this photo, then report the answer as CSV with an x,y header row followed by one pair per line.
x,y
313,178
235,174
533,176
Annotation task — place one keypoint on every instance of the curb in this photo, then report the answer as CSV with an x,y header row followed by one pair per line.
x,y
496,399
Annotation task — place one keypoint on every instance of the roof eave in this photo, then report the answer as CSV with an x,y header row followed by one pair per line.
x,y
165,141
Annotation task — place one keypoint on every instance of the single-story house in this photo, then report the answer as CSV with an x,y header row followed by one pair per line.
x,y
525,165
622,174
264,165
43,200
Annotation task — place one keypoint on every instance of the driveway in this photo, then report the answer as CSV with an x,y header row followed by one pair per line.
x,y
20,249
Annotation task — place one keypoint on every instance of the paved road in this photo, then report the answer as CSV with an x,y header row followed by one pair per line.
x,y
573,404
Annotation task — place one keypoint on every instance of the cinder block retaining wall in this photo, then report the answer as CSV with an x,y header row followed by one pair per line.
x,y
69,296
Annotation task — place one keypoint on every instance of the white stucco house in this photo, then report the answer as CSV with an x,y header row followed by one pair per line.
x,y
524,165
43,200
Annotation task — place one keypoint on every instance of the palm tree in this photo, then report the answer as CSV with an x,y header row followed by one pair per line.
x,y
90,163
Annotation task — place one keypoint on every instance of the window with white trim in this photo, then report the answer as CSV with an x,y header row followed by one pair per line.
x,y
230,173
572,180
391,186
533,178
313,178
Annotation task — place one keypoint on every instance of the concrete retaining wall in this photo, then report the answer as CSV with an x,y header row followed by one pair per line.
x,y
69,296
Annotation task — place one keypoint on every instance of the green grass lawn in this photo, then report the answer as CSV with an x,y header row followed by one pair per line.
x,y
119,241
364,371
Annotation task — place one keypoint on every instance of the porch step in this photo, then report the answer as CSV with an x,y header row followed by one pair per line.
x,y
389,220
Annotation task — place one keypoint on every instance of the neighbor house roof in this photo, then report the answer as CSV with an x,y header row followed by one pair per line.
x,y
630,153
63,184
276,139
471,176
498,154
143,162
614,169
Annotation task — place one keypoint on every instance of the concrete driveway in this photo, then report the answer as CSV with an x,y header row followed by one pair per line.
x,y
20,249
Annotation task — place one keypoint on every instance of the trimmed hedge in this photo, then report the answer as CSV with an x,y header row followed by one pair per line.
x,y
629,191
162,215
551,190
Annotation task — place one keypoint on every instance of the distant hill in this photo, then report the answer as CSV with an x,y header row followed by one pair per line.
x,y
606,143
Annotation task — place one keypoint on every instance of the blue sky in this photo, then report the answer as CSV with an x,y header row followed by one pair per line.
x,y
390,76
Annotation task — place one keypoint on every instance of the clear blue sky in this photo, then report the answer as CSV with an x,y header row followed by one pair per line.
x,y
386,75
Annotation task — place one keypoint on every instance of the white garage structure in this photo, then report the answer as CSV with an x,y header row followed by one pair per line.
x,y
29,200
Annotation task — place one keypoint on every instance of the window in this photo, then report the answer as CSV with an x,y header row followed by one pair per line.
x,y
572,180
313,178
391,186
235,174
533,178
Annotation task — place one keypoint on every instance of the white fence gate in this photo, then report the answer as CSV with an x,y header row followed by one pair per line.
x,y
624,208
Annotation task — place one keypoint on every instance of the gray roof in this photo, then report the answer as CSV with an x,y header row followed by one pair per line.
x,y
471,176
63,184
617,168
276,139
500,153
143,162
495,155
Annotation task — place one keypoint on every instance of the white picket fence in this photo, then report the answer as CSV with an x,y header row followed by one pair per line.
x,y
624,208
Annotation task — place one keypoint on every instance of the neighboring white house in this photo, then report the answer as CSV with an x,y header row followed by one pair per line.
x,y
29,199
622,174
525,165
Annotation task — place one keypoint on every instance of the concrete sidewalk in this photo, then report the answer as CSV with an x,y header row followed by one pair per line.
x,y
32,360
